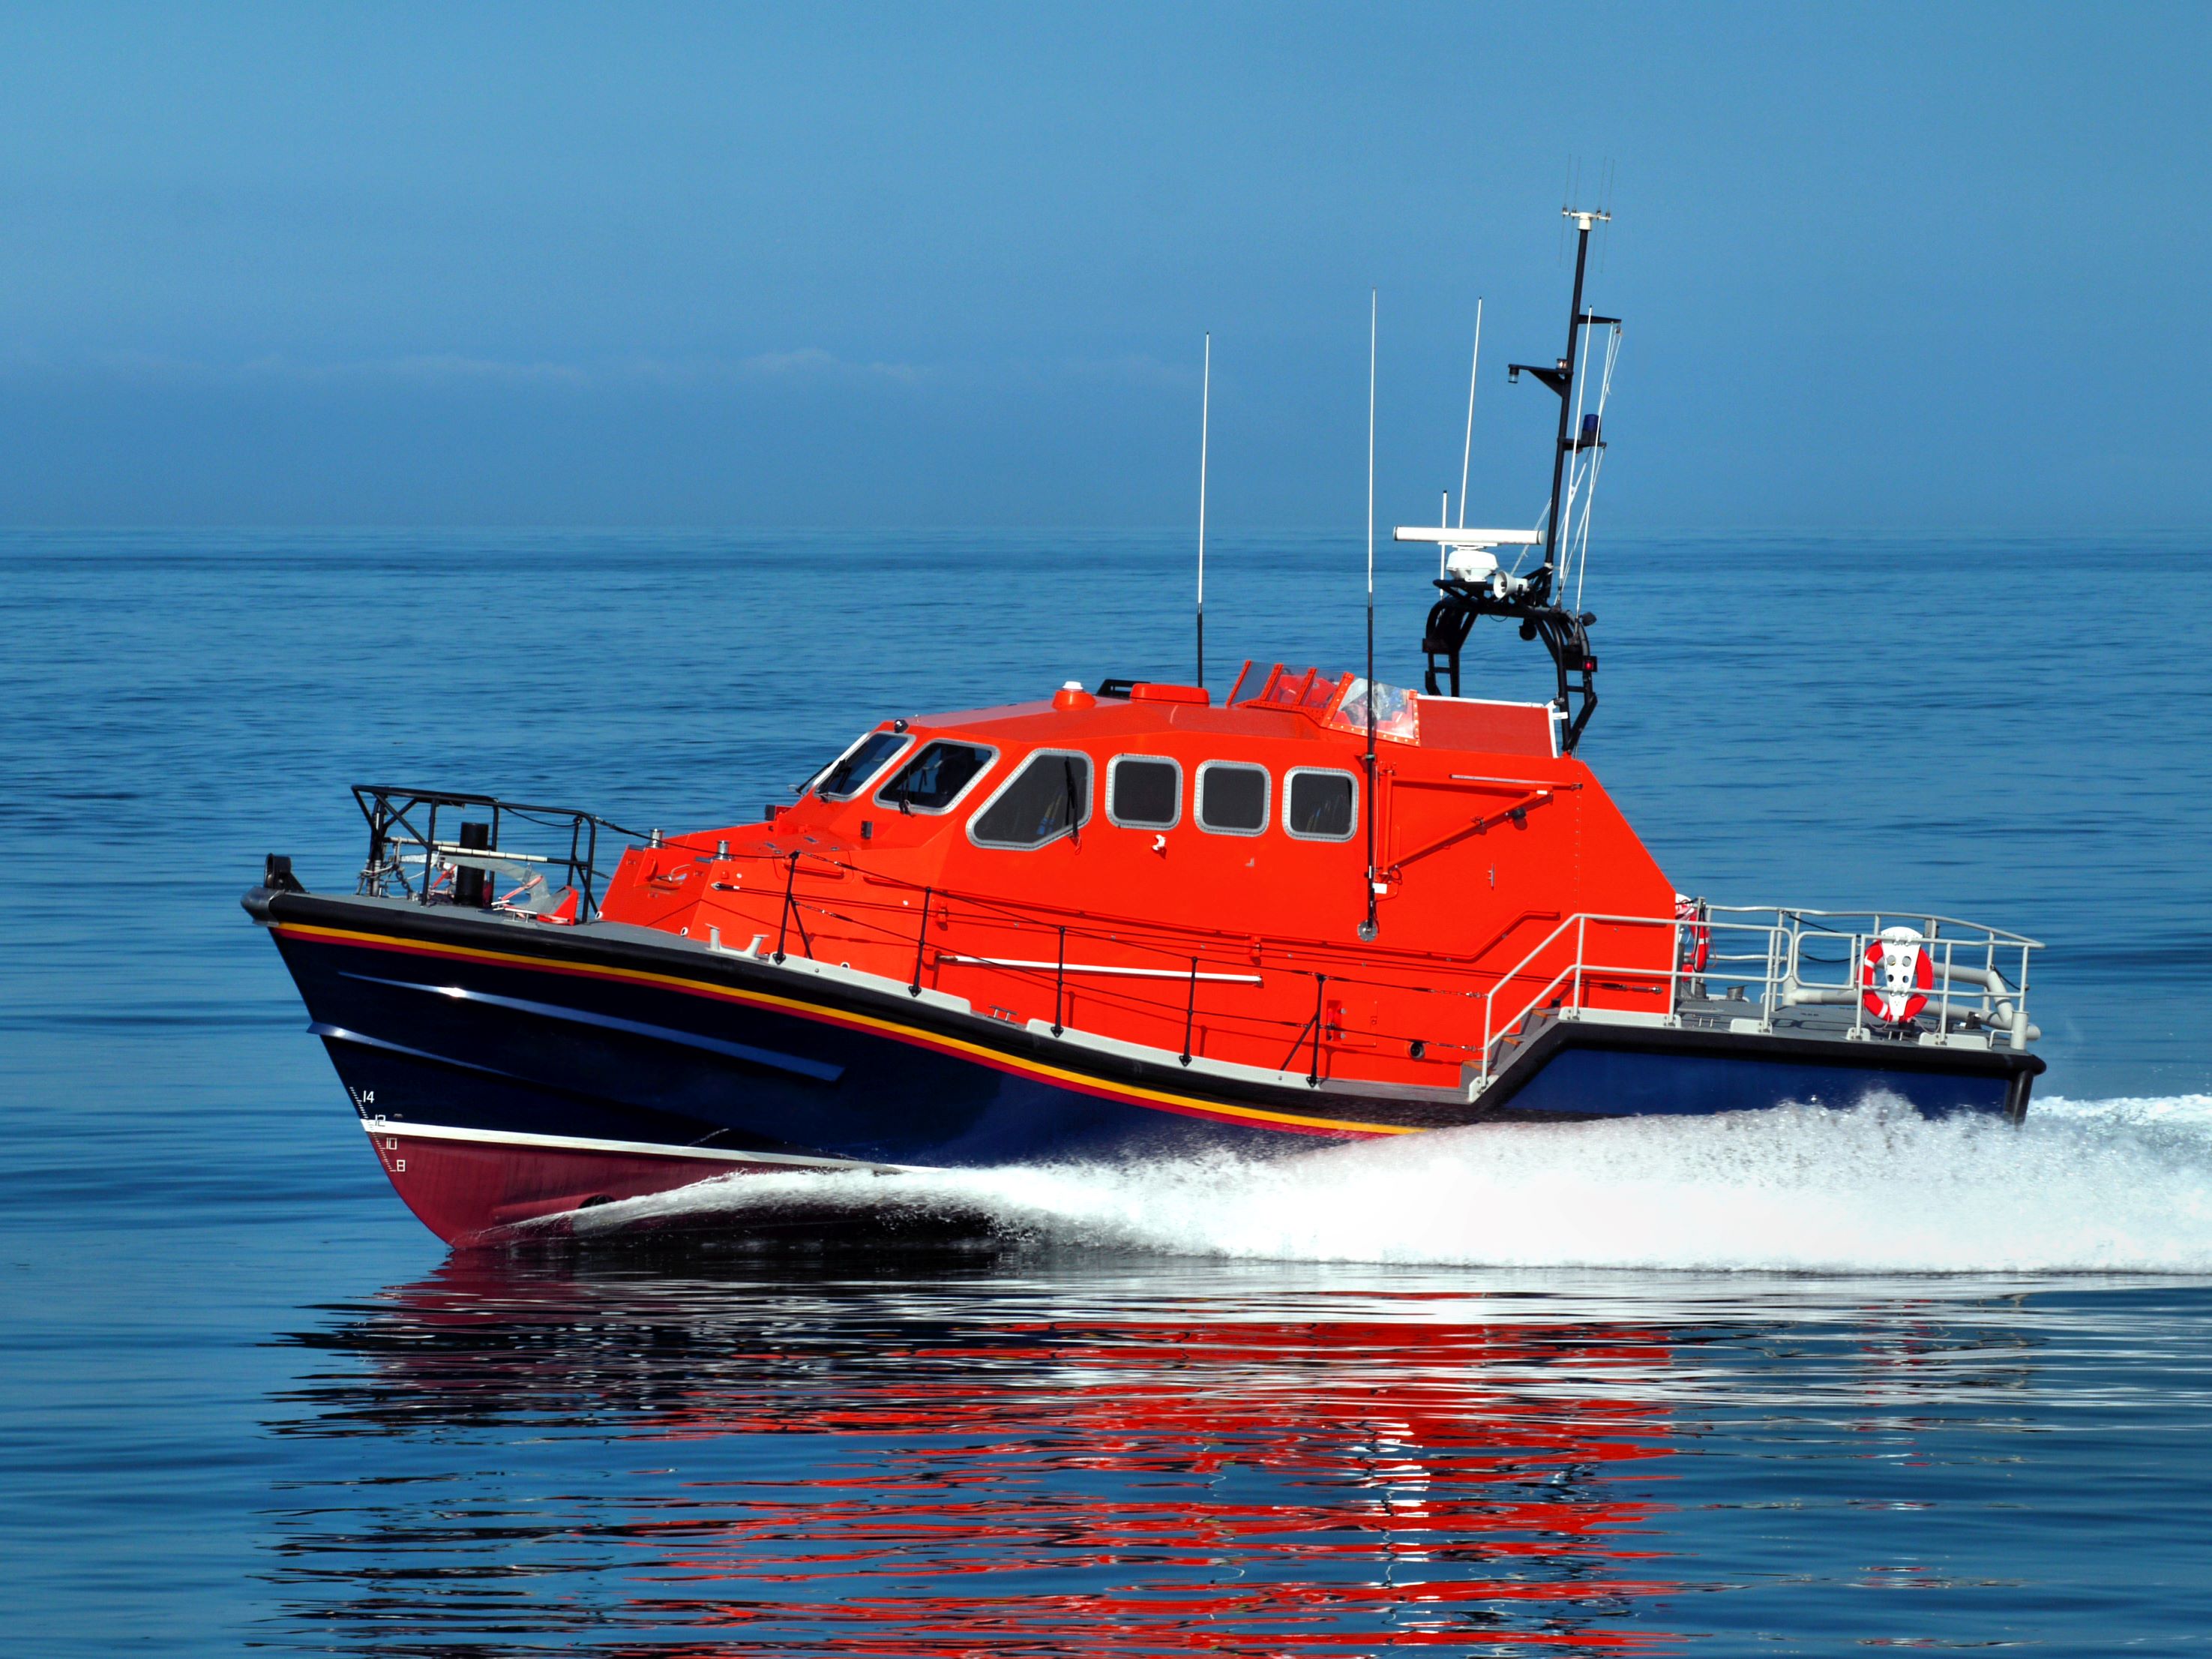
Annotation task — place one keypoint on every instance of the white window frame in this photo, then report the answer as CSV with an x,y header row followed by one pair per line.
x,y
1090,801
1112,817
814,784
1290,782
991,754
1267,797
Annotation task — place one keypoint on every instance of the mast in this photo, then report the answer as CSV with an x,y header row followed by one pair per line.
x,y
1562,380
1473,583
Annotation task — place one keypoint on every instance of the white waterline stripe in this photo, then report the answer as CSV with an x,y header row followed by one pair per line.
x,y
582,1144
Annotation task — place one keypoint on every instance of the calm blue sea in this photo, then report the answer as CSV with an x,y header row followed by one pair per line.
x,y
1809,1384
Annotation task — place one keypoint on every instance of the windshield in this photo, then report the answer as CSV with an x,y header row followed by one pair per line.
x,y
847,777
933,779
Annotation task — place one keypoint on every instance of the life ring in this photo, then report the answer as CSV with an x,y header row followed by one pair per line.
x,y
1898,976
1697,937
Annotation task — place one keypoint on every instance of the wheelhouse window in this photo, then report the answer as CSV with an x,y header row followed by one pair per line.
x,y
1319,805
937,776
1047,797
851,771
1232,798
1144,792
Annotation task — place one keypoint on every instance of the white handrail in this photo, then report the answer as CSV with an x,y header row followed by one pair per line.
x,y
1925,920
1975,991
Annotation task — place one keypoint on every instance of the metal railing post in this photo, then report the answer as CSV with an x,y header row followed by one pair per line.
x,y
1189,1009
1060,981
1674,970
921,941
783,917
1489,1008
1320,985
429,851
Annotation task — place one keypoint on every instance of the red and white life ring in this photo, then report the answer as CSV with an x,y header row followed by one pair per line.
x,y
1695,937
1898,976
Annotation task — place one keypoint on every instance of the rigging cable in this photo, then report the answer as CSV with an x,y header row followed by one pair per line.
x,y
1575,464
1597,461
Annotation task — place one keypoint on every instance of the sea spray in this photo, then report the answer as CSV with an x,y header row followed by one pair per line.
x,y
2112,1186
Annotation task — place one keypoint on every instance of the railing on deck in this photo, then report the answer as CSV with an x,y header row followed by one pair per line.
x,y
408,858
1626,970
1771,960
1766,961
1146,970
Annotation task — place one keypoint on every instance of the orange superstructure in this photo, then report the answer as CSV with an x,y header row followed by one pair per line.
x,y
1481,853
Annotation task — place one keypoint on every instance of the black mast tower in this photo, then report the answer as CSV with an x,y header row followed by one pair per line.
x,y
1533,601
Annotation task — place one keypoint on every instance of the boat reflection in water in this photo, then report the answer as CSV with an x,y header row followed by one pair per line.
x,y
906,1457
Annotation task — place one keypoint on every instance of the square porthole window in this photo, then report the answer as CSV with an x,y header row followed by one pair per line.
x,y
1319,805
1232,798
1144,792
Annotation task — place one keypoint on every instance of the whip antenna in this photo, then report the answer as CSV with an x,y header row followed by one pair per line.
x,y
1205,413
1467,454
1374,310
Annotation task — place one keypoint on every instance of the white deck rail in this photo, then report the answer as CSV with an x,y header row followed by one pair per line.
x,y
1770,959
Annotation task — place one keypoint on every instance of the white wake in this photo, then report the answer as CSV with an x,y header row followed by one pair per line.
x,y
2097,1186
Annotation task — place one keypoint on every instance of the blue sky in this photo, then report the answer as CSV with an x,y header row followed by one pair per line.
x,y
1883,267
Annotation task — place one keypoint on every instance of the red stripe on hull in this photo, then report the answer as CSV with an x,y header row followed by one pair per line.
x,y
468,1192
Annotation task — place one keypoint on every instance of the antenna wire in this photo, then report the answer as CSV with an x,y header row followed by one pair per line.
x,y
1205,416
1367,930
1467,454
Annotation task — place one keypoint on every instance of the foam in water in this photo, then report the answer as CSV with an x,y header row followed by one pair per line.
x,y
2097,1186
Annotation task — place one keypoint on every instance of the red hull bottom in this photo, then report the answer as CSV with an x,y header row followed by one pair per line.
x,y
474,1191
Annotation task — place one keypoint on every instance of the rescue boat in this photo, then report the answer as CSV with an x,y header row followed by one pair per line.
x,y
1128,921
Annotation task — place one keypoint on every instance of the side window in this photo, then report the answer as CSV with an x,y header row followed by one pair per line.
x,y
936,777
1144,792
1047,797
848,775
1319,805
1232,798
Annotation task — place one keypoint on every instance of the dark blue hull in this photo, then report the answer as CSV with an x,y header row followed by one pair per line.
x,y
508,1071
1606,1073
